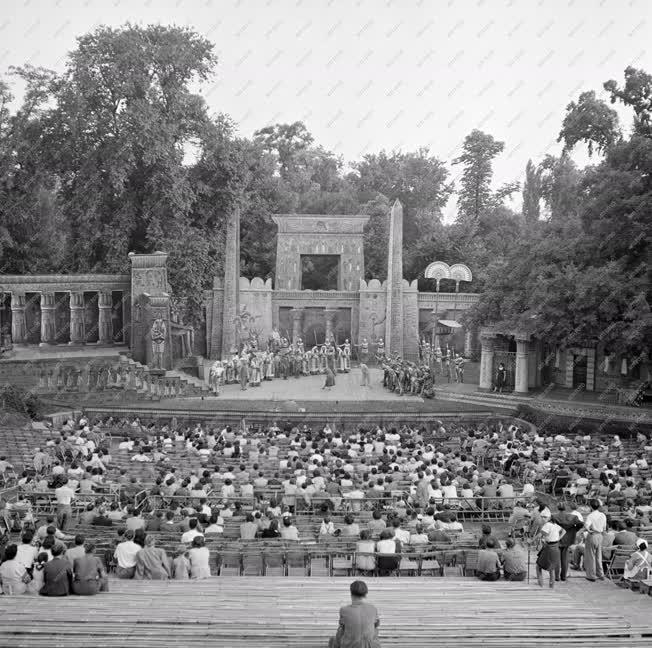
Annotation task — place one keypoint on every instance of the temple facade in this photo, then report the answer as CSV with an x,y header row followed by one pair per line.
x,y
320,293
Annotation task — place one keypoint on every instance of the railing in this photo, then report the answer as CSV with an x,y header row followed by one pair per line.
x,y
465,508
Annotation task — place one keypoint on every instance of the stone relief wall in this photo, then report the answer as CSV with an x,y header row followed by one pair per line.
x,y
372,310
256,307
148,280
410,319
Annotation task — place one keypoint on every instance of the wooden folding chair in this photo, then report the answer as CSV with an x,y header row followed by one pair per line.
x,y
342,562
470,563
430,565
296,563
616,565
229,563
274,563
365,562
388,564
320,563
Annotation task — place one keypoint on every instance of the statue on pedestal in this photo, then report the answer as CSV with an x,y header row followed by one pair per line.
x,y
158,334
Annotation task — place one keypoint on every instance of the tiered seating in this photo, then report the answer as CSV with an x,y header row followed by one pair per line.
x,y
301,613
18,445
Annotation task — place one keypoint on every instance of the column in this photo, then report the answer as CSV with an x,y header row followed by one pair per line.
x,y
77,334
18,324
105,324
434,341
297,319
394,290
48,319
231,309
329,315
522,369
469,341
486,362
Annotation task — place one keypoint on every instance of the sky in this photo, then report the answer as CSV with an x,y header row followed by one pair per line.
x,y
368,75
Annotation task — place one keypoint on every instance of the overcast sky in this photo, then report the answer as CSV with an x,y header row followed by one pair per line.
x,y
369,75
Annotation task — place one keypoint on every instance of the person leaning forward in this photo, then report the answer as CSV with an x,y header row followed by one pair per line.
x,y
358,622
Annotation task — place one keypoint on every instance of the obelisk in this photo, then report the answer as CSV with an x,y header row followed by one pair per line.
x,y
231,309
394,294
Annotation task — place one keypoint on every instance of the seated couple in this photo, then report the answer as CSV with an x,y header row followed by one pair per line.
x,y
513,563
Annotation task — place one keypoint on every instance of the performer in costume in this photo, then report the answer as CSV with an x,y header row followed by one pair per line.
x,y
244,371
255,371
314,360
341,368
330,356
364,351
330,378
438,358
347,356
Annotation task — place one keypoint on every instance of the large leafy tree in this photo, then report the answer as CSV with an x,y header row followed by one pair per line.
x,y
532,192
591,121
33,231
419,180
560,186
475,197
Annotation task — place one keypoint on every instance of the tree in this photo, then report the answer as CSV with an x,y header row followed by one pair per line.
x,y
636,93
418,179
532,192
591,121
560,186
475,195
286,141
33,232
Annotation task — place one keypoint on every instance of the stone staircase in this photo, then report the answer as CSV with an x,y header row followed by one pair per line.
x,y
102,379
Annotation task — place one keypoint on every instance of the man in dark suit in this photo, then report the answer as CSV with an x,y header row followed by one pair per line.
x,y
571,523
358,622
57,574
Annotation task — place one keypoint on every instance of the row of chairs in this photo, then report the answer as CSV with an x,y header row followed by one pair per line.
x,y
321,563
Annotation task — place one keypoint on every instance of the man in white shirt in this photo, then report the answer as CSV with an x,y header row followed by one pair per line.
x,y
27,553
595,525
191,533
418,537
64,495
289,531
125,555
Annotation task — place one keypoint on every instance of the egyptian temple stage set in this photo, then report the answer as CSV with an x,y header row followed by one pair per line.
x,y
394,310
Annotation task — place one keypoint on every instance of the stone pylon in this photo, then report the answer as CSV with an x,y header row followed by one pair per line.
x,y
394,313
231,309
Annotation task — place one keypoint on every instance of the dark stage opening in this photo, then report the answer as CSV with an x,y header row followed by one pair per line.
x,y
319,271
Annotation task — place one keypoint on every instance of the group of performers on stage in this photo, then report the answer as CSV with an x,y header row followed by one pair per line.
x,y
418,378
281,359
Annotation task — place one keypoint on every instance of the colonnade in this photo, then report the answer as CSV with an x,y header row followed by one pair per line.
x,y
48,323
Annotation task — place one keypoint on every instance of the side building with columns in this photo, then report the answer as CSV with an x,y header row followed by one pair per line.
x,y
531,364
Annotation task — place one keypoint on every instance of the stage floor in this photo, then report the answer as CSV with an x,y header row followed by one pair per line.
x,y
309,388
305,394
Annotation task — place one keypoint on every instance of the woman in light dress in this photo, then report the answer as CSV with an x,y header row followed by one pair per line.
x,y
199,556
